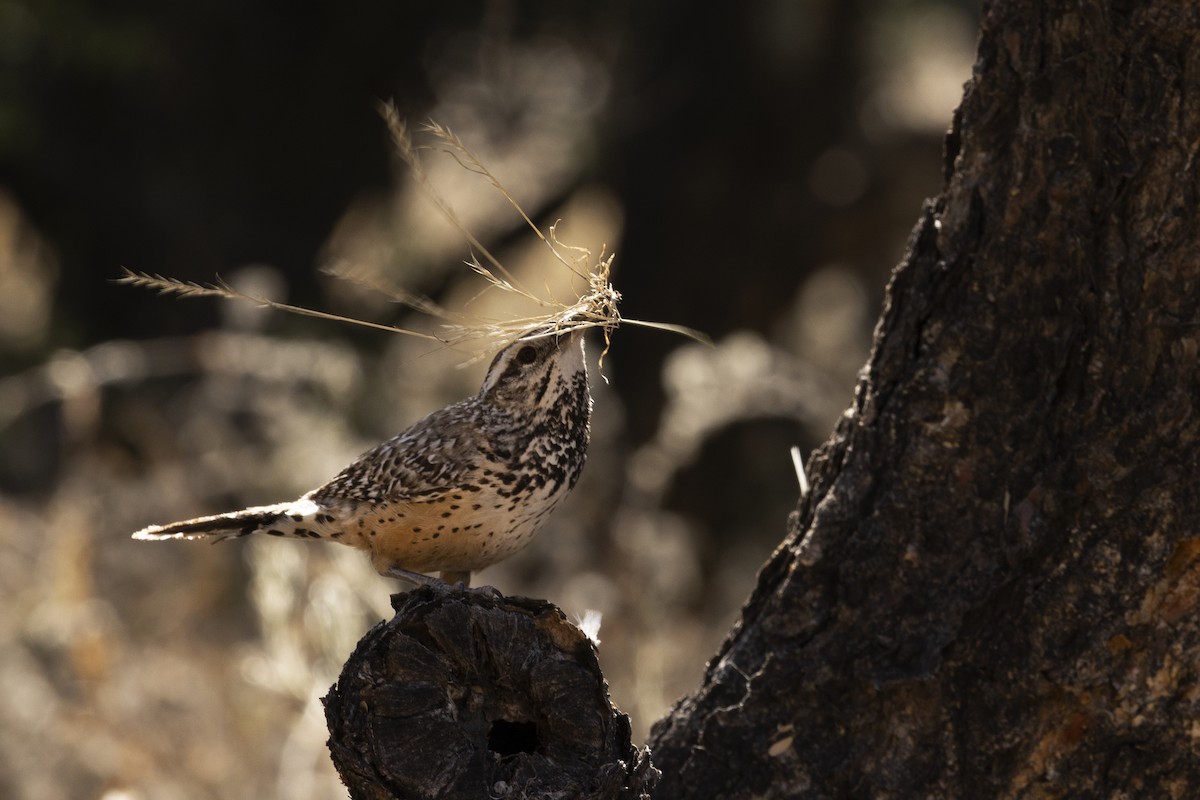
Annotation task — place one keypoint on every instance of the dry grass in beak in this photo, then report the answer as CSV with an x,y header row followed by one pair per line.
x,y
595,304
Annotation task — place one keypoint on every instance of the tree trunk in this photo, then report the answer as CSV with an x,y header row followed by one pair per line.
x,y
991,588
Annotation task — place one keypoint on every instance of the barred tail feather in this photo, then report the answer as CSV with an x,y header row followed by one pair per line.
x,y
282,519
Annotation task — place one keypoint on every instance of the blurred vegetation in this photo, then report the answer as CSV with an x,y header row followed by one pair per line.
x,y
756,167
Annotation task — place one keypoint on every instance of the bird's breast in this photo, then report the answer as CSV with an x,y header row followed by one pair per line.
x,y
462,531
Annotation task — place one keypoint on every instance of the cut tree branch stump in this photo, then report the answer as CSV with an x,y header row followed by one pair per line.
x,y
468,695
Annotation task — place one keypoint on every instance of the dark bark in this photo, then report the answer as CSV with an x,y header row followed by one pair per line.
x,y
465,695
991,588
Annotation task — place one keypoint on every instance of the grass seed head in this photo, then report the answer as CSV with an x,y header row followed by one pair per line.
x,y
595,305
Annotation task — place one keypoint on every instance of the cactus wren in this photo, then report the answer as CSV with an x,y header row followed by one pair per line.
x,y
461,489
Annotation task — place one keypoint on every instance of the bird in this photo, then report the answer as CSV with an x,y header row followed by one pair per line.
x,y
462,488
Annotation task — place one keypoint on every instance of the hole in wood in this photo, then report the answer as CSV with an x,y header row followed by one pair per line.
x,y
509,738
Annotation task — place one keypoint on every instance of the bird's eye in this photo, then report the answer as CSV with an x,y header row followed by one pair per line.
x,y
527,355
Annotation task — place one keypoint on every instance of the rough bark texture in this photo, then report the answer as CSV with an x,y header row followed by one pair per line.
x,y
464,695
992,589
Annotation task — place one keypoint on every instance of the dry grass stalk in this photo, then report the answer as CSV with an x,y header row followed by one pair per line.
x,y
596,306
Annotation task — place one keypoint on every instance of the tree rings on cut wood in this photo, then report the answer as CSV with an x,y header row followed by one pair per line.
x,y
467,695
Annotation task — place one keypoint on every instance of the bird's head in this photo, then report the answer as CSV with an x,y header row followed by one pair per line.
x,y
536,370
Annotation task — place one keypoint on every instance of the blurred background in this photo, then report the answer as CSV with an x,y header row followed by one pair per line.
x,y
755,167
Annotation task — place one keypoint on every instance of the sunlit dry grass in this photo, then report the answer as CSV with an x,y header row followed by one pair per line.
x,y
595,305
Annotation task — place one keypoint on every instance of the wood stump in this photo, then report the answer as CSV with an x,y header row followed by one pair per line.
x,y
473,695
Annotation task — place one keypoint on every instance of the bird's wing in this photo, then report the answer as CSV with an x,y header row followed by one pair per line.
x,y
437,455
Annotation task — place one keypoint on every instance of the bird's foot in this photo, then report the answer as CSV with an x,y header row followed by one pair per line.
x,y
414,578
460,581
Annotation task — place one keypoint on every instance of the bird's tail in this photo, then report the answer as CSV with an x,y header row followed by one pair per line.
x,y
283,519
